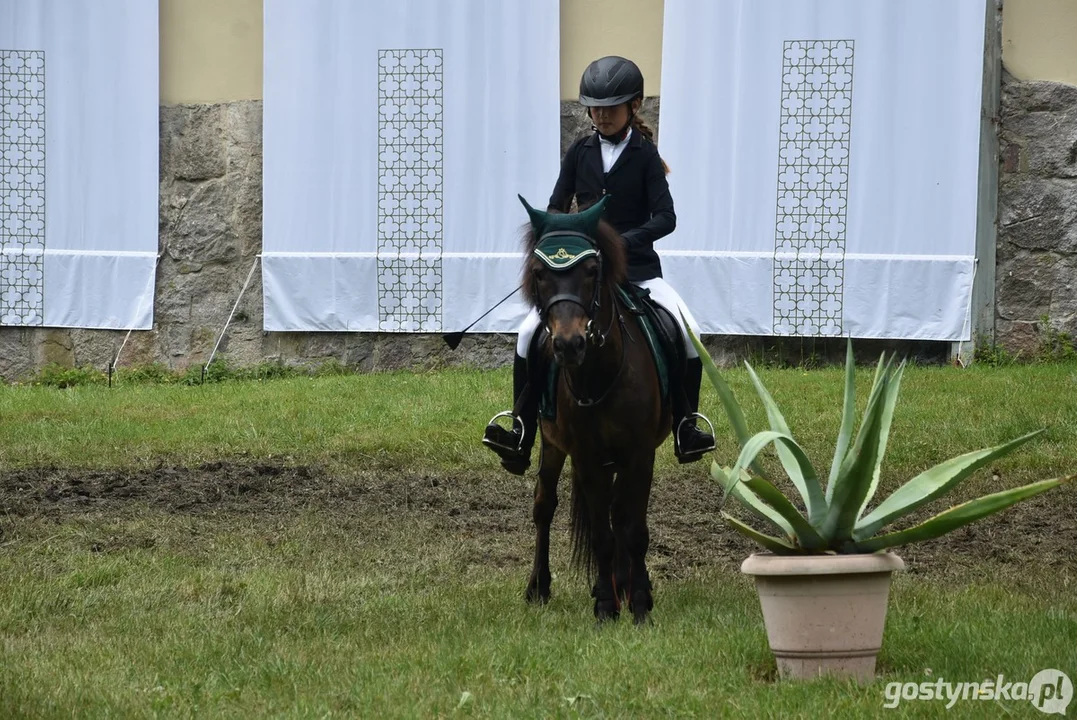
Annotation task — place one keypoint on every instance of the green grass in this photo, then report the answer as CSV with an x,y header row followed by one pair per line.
x,y
327,612
396,418
434,420
309,620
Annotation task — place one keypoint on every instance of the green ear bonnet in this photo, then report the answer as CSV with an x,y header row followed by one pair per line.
x,y
565,239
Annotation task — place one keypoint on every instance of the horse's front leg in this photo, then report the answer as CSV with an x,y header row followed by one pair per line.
x,y
634,492
551,464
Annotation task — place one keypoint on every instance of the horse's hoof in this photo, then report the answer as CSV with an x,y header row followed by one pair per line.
x,y
605,613
536,596
642,604
538,590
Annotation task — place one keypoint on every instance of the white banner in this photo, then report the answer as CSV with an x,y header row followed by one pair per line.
x,y
397,135
79,139
824,158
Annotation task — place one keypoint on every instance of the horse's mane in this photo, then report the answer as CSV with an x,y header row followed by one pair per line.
x,y
610,246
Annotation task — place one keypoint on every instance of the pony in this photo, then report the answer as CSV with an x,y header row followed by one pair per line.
x,y
609,413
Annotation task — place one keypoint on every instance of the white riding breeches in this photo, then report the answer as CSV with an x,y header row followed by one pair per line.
x,y
526,332
662,293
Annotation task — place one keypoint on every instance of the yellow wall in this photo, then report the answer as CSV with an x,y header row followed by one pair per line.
x,y
1038,39
211,50
593,28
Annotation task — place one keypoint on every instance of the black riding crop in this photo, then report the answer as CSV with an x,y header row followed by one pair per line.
x,y
453,339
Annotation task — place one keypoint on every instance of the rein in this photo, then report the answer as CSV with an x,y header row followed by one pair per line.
x,y
617,317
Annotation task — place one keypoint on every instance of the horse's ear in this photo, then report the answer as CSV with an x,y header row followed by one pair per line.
x,y
538,218
588,219
585,221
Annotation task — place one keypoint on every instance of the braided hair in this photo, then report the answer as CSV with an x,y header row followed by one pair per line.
x,y
638,123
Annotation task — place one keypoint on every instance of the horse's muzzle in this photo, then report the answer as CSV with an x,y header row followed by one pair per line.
x,y
569,350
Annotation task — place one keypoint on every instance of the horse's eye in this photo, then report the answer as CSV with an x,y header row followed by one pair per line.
x,y
592,272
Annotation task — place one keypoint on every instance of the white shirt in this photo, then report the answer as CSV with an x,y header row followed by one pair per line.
x,y
611,152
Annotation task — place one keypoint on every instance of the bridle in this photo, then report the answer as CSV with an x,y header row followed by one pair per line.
x,y
591,310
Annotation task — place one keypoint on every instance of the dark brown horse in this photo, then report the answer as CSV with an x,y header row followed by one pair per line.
x,y
610,413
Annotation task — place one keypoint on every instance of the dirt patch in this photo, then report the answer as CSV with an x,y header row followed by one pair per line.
x,y
491,513
208,487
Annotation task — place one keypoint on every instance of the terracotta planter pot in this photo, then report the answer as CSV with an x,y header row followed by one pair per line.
x,y
824,614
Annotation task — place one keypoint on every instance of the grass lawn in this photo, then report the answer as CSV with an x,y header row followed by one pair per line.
x,y
343,546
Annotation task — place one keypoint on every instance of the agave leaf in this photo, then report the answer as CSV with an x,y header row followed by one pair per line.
x,y
794,460
854,478
763,492
883,376
749,499
932,484
877,387
775,545
958,515
848,411
879,371
729,402
807,537
755,445
889,402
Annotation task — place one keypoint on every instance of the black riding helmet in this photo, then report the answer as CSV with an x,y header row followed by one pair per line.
x,y
610,81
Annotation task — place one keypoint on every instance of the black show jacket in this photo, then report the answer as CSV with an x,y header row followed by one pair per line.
x,y
640,205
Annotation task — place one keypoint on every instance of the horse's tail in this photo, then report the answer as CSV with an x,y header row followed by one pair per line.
x,y
583,549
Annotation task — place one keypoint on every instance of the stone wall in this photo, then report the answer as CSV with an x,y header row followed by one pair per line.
x,y
210,235
1036,263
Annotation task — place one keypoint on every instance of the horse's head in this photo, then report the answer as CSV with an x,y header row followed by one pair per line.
x,y
573,262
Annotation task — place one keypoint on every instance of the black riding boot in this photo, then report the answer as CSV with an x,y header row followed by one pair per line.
x,y
514,446
689,442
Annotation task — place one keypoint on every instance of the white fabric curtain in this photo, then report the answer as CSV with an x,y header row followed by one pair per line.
x,y
397,135
824,158
79,138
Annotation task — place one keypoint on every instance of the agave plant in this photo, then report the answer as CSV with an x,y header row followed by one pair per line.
x,y
834,519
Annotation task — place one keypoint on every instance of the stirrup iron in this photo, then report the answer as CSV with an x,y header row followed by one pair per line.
x,y
686,418
517,421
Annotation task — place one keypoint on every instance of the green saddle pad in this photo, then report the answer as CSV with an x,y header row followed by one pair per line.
x,y
634,302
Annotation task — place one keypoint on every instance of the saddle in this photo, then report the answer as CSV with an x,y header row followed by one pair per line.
x,y
660,331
